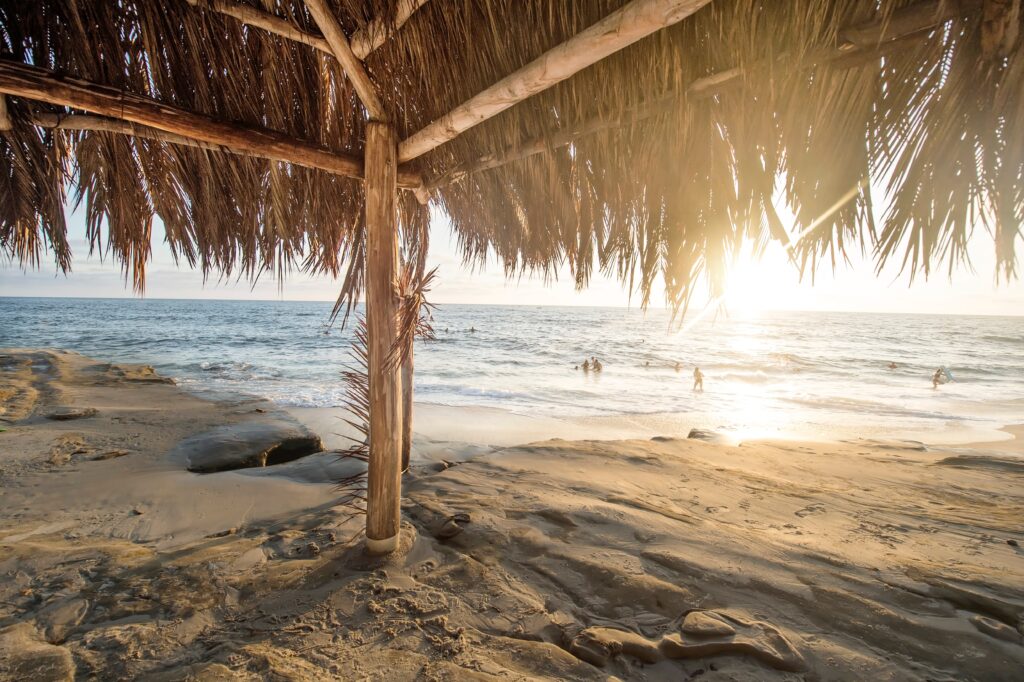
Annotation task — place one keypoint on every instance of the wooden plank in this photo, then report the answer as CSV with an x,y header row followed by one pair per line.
x,y
620,29
407,397
34,83
251,16
375,34
384,482
342,51
858,43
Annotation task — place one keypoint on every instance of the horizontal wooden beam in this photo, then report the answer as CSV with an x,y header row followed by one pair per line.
x,y
363,42
351,64
32,82
860,42
619,29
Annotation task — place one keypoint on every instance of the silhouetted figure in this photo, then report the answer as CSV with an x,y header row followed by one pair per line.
x,y
937,378
586,365
698,379
892,365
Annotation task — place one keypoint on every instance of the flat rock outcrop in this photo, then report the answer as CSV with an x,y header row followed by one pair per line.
x,y
246,445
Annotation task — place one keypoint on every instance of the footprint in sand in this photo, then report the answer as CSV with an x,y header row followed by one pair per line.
x,y
810,509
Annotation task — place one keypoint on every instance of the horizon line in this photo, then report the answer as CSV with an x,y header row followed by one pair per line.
x,y
497,305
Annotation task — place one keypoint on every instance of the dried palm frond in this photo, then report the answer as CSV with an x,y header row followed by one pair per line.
x,y
356,404
810,96
414,313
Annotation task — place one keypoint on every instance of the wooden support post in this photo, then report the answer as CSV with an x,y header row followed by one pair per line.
x,y
384,484
407,384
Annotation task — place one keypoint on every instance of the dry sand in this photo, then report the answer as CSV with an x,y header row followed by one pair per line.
x,y
659,559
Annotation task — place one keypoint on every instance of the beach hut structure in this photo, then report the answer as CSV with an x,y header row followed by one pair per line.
x,y
647,138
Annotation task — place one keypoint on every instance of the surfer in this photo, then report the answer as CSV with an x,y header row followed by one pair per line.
x,y
937,378
698,379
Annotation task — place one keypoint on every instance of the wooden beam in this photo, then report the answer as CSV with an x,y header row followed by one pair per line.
x,y
620,29
342,51
88,122
907,20
860,42
5,117
34,83
251,16
363,42
384,477
376,32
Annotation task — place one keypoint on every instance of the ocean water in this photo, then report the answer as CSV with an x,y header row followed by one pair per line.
x,y
777,374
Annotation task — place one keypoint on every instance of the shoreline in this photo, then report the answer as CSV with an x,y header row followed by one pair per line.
x,y
569,558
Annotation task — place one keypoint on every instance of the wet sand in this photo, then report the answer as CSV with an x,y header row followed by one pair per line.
x,y
649,559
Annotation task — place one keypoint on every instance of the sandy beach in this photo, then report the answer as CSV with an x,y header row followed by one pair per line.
x,y
579,556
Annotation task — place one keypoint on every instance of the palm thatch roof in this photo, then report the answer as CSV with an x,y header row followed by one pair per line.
x,y
657,161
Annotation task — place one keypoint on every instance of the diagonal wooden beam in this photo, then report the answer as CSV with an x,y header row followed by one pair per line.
x,y
32,82
5,116
619,29
363,42
858,43
249,15
342,51
375,34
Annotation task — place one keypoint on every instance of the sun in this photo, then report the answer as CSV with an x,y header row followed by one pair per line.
x,y
751,286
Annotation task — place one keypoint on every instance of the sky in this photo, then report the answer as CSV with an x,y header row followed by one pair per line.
x,y
770,283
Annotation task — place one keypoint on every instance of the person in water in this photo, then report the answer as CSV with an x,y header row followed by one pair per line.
x,y
597,365
679,366
937,378
586,365
892,365
698,379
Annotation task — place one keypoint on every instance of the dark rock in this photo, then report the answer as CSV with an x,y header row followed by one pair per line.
x,y
245,445
707,436
1013,543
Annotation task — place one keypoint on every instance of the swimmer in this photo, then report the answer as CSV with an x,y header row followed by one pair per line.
x,y
698,379
586,365
597,365
892,365
679,366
